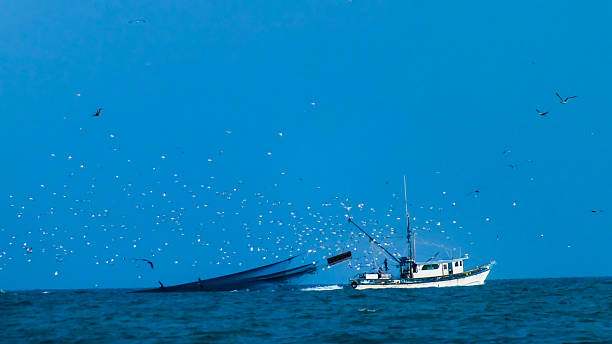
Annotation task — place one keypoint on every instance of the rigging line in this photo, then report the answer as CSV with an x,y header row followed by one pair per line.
x,y
373,240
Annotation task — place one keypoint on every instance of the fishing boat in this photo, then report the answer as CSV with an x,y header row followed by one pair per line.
x,y
413,274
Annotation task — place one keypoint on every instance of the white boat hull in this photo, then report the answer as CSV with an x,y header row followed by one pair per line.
x,y
469,280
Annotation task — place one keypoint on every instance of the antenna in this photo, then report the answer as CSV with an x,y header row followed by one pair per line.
x,y
406,202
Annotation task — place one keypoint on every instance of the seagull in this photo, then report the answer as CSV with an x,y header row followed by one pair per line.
x,y
506,151
137,21
542,113
475,193
146,260
97,114
512,166
596,211
564,101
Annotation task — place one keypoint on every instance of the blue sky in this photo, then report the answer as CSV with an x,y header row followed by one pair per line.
x,y
362,93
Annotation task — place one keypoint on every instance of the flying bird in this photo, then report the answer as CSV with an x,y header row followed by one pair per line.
x,y
512,166
542,113
596,211
564,100
147,261
506,151
475,193
97,114
137,21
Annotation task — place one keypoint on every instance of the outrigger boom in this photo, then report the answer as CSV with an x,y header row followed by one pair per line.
x,y
372,239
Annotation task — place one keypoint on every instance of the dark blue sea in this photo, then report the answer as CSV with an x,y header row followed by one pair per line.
x,y
502,311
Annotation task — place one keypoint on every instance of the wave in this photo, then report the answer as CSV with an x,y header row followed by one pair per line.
x,y
366,310
323,288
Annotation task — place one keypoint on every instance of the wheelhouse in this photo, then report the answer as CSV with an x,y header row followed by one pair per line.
x,y
433,269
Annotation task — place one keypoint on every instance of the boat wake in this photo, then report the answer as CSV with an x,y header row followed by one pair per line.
x,y
323,288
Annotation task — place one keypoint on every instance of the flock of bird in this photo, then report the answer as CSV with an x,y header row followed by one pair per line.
x,y
210,217
229,223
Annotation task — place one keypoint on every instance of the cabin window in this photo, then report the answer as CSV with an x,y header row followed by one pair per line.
x,y
461,263
430,267
456,263
444,266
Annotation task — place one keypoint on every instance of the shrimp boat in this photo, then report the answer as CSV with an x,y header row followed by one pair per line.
x,y
412,274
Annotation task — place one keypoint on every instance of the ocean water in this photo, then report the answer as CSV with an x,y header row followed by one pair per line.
x,y
501,311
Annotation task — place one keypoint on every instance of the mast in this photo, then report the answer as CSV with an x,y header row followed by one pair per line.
x,y
408,230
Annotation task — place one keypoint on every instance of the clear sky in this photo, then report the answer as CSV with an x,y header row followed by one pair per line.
x,y
233,125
